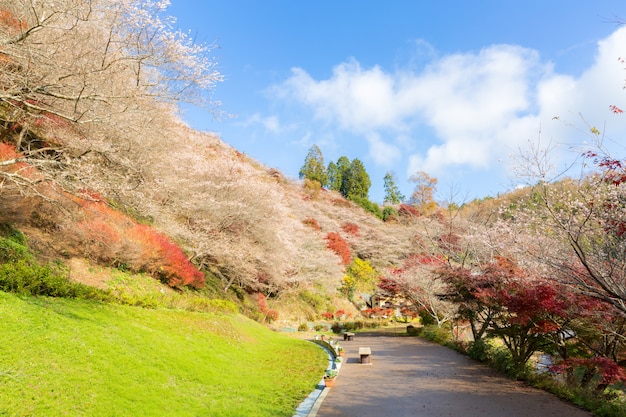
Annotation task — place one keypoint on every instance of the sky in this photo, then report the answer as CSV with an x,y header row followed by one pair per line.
x,y
456,89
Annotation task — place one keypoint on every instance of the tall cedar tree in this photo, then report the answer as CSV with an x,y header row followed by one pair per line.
x,y
392,192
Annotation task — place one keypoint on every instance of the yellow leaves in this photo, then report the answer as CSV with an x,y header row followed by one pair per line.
x,y
595,131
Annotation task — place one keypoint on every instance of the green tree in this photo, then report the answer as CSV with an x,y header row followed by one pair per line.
x,y
334,179
314,168
392,192
343,175
358,181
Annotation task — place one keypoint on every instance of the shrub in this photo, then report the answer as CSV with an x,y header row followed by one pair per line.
x,y
369,206
303,327
407,211
351,229
111,236
312,223
425,318
28,278
12,245
440,335
314,300
337,244
336,327
327,315
272,316
479,350
390,213
502,361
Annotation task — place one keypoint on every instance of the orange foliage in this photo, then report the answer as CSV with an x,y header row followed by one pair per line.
x,y
8,21
105,227
351,229
313,223
7,152
337,244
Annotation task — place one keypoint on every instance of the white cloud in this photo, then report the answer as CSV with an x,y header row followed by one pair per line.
x,y
382,153
270,123
480,106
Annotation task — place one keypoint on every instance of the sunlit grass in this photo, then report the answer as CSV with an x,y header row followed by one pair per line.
x,y
84,358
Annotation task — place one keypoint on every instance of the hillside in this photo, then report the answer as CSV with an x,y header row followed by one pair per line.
x,y
96,164
72,357
119,222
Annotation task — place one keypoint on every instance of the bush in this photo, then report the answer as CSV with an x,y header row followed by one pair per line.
x,y
390,213
337,327
351,229
337,244
440,335
28,278
425,318
316,301
311,222
369,206
479,350
303,327
12,245
502,361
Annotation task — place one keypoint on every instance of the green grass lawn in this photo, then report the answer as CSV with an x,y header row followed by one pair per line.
x,y
61,357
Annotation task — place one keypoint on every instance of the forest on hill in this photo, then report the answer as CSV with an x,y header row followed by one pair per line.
x,y
97,169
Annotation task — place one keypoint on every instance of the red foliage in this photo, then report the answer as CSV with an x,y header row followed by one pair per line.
x,y
340,313
328,315
351,229
390,286
614,170
337,244
406,210
312,223
262,303
7,152
450,242
341,202
105,227
423,259
8,21
272,315
609,371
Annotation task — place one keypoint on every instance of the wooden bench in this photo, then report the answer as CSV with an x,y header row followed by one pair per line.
x,y
365,353
348,336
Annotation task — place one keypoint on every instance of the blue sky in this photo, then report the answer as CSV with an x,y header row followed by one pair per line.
x,y
453,88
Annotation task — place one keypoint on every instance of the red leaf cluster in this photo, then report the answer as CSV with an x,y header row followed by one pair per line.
x,y
338,244
262,303
406,210
327,315
113,237
8,21
351,228
312,223
609,371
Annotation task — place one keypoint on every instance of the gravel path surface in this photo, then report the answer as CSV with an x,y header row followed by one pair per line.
x,y
410,376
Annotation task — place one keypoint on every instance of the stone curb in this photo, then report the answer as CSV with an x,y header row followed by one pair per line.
x,y
310,406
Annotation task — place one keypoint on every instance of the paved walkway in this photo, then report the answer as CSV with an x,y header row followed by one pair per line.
x,y
413,377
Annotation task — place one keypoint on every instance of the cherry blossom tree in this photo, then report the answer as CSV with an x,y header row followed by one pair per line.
x,y
80,79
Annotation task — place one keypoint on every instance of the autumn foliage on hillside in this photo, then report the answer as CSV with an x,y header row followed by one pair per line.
x,y
112,237
338,244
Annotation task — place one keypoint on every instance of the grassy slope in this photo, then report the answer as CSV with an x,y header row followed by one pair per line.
x,y
80,358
